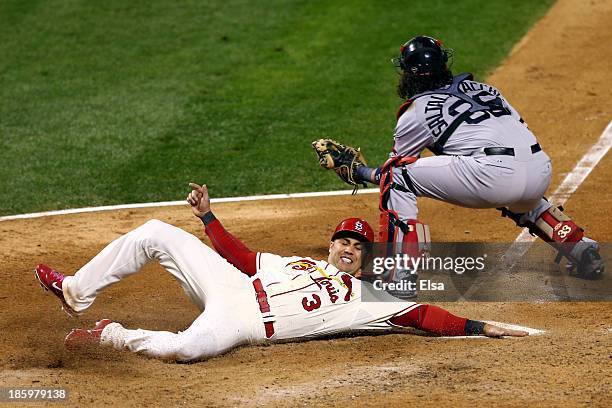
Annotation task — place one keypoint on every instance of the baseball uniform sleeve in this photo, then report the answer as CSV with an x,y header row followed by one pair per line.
x,y
433,319
230,248
411,136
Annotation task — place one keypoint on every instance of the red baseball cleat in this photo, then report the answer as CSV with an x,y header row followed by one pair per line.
x,y
86,337
50,279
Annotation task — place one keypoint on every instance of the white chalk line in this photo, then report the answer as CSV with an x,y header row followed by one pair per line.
x,y
183,202
570,184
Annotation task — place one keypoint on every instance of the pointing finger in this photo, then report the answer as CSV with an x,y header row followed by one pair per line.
x,y
195,186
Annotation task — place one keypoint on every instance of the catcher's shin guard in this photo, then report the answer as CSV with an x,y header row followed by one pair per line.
x,y
408,240
563,234
411,237
411,234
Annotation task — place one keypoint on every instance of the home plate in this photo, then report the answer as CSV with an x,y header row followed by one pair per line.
x,y
531,331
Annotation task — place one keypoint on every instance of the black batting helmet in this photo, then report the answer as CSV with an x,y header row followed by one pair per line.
x,y
423,55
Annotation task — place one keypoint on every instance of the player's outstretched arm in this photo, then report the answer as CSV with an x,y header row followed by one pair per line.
x,y
491,330
434,319
369,174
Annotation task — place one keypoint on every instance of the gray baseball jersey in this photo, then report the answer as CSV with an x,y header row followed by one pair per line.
x,y
457,123
460,119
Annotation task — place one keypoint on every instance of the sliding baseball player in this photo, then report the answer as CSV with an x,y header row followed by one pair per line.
x,y
245,296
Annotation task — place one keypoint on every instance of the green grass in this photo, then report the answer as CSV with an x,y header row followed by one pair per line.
x,y
119,102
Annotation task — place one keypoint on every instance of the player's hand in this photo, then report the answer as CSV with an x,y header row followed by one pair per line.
x,y
496,331
198,199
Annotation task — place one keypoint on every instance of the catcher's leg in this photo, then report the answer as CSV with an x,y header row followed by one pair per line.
x,y
466,181
398,225
552,225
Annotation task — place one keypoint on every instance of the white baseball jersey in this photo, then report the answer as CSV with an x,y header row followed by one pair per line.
x,y
310,298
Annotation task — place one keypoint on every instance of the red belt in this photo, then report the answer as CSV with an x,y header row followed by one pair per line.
x,y
264,306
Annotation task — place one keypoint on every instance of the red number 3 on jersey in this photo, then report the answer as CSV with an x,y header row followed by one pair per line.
x,y
310,305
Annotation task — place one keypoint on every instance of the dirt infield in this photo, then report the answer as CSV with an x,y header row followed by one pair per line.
x,y
558,78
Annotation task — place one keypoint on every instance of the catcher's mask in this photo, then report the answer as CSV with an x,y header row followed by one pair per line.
x,y
423,56
354,228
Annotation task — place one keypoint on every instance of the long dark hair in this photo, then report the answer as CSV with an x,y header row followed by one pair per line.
x,y
410,85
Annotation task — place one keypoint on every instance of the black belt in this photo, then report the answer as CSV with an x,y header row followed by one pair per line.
x,y
264,306
508,151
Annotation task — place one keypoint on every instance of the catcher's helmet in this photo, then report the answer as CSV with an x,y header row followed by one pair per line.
x,y
423,55
354,228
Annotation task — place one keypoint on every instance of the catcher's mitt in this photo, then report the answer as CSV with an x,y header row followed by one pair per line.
x,y
344,160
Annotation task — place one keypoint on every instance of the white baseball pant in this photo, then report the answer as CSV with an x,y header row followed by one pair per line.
x,y
231,314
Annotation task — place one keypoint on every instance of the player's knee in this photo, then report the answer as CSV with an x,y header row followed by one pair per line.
x,y
185,355
190,348
153,229
154,224
152,234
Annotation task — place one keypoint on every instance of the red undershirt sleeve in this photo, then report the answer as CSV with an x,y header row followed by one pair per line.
x,y
432,319
230,248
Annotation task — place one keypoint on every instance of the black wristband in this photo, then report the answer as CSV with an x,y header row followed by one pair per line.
x,y
474,327
208,218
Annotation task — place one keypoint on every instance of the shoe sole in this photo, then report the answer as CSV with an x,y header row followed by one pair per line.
x,y
67,309
74,341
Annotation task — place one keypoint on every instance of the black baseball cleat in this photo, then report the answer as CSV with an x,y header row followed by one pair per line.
x,y
591,265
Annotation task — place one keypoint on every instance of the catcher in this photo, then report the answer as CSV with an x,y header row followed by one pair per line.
x,y
485,157
244,296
